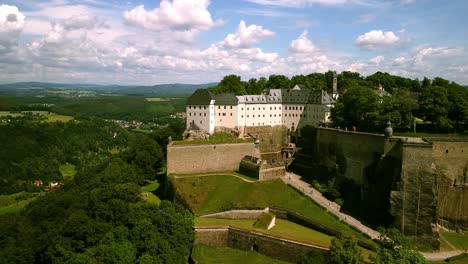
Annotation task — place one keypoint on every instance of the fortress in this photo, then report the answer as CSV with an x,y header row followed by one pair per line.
x,y
415,184
291,108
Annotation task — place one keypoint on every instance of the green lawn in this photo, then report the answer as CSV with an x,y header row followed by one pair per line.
x,y
460,241
216,138
68,170
411,134
221,193
14,203
215,255
147,192
283,229
462,259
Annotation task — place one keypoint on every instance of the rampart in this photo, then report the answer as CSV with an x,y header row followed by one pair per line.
x,y
274,247
186,159
411,183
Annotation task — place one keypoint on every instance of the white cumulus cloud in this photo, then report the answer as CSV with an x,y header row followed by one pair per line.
x,y
302,44
377,60
245,36
378,40
11,25
186,17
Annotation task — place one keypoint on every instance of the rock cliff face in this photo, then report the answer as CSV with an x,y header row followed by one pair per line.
x,y
410,183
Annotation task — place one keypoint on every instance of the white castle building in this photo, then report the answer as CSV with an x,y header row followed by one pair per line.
x,y
293,108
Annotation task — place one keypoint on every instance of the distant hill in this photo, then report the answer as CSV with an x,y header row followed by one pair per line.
x,y
159,90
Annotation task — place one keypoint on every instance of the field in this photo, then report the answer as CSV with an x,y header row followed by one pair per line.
x,y
51,117
68,171
14,203
159,99
214,255
221,193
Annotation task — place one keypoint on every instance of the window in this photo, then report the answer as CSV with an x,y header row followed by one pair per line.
x,y
280,108
224,114
204,107
231,106
190,107
270,107
253,115
263,108
247,115
224,107
190,114
280,115
201,122
242,108
242,116
263,115
219,114
275,107
231,114
247,108
200,114
219,107
204,114
253,108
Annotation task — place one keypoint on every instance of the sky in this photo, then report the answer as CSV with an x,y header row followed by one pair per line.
x,y
198,41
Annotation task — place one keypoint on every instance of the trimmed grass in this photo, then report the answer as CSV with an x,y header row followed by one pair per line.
x,y
14,203
460,241
147,192
411,134
221,193
264,220
214,255
462,259
282,229
68,170
216,138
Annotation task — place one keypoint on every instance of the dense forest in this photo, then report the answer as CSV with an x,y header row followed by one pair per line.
x,y
437,105
107,107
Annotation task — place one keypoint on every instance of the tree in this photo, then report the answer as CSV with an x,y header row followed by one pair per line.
x,y
345,250
395,249
358,106
434,107
230,84
278,81
313,257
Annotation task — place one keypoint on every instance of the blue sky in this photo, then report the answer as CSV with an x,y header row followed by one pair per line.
x,y
197,41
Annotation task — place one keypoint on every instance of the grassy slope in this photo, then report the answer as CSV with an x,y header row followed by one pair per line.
x,y
460,241
214,255
11,204
462,259
282,228
68,171
147,192
52,117
220,193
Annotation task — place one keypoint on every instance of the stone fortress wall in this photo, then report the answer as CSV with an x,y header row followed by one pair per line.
x,y
186,159
278,248
419,181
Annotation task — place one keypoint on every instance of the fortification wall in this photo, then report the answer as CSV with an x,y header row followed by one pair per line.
x,y
271,173
414,200
186,159
451,162
214,237
282,249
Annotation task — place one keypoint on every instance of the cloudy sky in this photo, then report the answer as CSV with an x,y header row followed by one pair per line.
x,y
196,41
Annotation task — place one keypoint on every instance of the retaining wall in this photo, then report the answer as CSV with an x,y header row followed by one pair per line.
x,y
278,248
186,159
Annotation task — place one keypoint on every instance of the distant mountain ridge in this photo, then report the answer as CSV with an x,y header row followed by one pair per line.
x,y
160,89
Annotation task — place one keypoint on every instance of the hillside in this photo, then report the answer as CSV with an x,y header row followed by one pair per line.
x,y
30,88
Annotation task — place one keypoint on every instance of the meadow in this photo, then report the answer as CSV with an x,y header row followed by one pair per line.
x,y
214,255
217,193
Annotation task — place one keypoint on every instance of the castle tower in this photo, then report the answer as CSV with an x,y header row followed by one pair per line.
x,y
335,87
